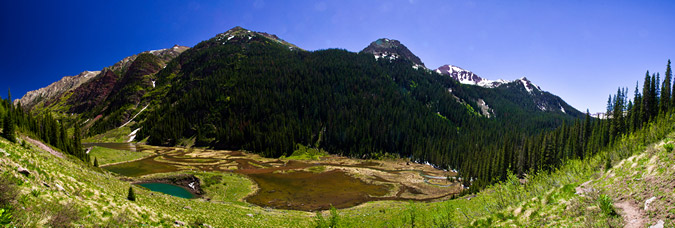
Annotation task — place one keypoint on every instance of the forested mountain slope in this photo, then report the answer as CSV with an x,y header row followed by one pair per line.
x,y
243,89
254,91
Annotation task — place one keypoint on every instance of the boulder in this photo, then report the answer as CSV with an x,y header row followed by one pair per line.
x,y
649,201
23,171
179,223
658,224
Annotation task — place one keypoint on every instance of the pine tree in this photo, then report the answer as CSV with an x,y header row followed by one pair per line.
x,y
587,128
646,99
131,196
665,90
636,117
669,77
8,126
654,104
77,145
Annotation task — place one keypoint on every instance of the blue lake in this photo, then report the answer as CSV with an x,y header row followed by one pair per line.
x,y
169,189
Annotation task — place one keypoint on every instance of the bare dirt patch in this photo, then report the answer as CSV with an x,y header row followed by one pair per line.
x,y
43,146
631,214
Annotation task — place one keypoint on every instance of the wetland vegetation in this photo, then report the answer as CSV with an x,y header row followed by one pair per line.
x,y
306,184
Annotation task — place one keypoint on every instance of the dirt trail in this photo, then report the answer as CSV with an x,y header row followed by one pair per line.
x,y
631,214
43,146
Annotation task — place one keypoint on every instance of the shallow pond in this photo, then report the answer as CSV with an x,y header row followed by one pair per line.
x,y
290,184
168,189
312,191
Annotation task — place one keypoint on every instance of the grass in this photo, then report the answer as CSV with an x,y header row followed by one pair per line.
x,y
100,198
606,205
306,153
546,200
117,135
110,156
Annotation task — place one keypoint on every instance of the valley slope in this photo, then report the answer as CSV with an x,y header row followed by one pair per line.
x,y
254,91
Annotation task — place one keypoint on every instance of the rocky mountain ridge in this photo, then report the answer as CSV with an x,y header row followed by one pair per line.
x,y
48,95
55,89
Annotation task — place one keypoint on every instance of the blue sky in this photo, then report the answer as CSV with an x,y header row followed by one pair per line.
x,y
579,50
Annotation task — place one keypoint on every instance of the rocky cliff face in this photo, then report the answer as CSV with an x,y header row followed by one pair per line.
x,y
67,83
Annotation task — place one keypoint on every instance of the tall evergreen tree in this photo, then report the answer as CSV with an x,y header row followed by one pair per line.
x,y
654,104
646,99
587,128
665,91
8,125
669,77
77,144
636,118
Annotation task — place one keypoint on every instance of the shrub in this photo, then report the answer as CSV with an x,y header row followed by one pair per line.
x,y
606,205
35,192
608,163
331,222
8,192
64,216
5,217
668,147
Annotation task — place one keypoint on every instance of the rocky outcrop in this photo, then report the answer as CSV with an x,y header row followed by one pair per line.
x,y
23,171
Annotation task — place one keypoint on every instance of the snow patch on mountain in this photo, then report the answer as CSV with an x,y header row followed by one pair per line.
x,y
467,77
132,135
386,55
132,118
529,86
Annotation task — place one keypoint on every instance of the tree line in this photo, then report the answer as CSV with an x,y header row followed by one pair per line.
x,y
522,154
43,127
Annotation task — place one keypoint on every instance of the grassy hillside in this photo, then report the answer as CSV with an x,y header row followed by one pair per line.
x,y
608,189
64,191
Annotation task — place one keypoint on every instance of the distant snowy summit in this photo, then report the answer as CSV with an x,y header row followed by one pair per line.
x,y
467,77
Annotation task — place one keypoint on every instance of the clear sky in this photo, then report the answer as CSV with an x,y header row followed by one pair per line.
x,y
579,50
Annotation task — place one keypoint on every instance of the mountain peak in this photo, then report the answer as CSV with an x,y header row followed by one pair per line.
x,y
391,49
239,34
529,86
